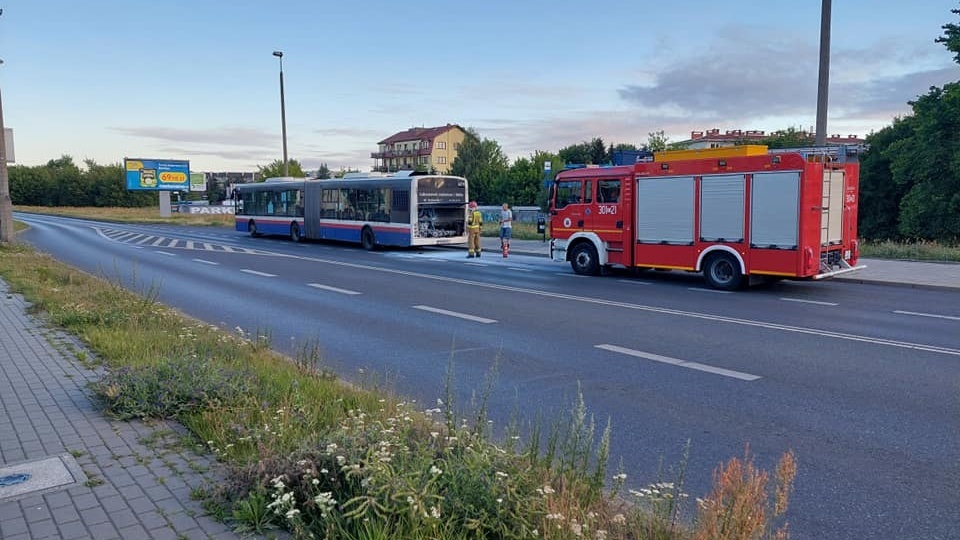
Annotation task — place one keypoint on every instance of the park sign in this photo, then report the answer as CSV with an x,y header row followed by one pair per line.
x,y
157,174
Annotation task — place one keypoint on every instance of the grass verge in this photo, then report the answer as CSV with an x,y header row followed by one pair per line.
x,y
521,231
146,214
920,250
319,458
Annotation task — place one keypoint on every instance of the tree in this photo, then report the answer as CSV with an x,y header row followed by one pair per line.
x,y
880,196
323,173
483,164
951,37
275,169
657,141
786,138
526,179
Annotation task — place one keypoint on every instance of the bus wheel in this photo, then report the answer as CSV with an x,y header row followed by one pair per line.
x,y
252,228
367,239
583,259
723,272
295,233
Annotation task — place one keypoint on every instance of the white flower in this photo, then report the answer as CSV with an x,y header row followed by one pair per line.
x,y
620,477
324,471
435,470
501,474
292,513
316,481
619,519
548,490
435,512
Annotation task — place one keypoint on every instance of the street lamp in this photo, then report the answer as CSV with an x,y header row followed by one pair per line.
x,y
283,116
823,86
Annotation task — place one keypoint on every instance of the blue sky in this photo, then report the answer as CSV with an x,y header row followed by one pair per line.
x,y
105,79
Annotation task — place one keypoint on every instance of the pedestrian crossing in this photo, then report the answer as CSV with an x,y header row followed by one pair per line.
x,y
158,241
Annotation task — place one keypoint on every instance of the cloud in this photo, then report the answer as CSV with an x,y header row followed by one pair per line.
x,y
228,135
744,72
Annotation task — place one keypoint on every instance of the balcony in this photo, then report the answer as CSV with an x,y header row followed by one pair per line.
x,y
387,154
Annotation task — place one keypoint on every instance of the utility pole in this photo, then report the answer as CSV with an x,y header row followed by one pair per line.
x,y
824,85
7,235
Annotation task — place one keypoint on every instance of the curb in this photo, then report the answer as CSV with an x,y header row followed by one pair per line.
x,y
900,284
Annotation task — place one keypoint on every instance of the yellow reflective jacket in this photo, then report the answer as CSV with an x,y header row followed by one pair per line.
x,y
475,220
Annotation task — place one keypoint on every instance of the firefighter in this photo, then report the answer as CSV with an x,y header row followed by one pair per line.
x,y
474,222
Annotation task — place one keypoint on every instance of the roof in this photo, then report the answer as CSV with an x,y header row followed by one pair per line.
x,y
419,133
736,135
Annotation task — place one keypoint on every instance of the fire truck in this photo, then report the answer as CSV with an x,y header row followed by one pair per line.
x,y
738,215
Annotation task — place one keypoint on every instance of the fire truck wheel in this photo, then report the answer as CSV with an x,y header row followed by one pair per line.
x,y
723,272
583,259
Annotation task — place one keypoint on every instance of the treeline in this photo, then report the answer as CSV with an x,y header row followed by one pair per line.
x,y
62,183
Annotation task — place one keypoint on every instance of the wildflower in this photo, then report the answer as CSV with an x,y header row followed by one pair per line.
x,y
434,434
558,516
500,500
435,470
501,474
619,519
576,529
620,477
341,460
434,512
292,513
331,448
316,481
324,471
548,490
601,534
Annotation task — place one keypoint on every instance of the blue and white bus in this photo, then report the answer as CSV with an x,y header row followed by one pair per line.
x,y
403,209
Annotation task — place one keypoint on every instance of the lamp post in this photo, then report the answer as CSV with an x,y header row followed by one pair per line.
x,y
824,83
283,116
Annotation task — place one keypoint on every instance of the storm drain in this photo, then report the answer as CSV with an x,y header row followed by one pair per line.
x,y
43,475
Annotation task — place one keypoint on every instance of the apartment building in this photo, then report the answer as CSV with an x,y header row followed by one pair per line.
x,y
429,149
713,138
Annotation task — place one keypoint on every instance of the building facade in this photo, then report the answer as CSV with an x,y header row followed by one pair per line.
x,y
428,149
713,138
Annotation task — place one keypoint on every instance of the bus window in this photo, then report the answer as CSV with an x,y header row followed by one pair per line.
x,y
568,192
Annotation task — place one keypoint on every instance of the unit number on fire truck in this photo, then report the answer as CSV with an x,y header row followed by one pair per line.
x,y
608,210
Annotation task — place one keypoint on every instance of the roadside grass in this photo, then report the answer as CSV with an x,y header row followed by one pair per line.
x,y
323,459
920,250
521,231
145,214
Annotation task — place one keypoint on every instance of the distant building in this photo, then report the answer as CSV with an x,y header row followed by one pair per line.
x,y
713,138
419,148
222,182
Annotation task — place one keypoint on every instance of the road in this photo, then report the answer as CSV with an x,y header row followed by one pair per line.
x,y
861,381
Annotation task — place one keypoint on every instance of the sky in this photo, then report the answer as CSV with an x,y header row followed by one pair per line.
x,y
196,80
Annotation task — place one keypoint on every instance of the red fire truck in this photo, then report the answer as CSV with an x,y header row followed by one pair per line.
x,y
740,214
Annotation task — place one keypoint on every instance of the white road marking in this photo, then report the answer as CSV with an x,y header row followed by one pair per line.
x,y
473,318
159,241
332,289
715,291
564,274
933,315
681,363
165,253
256,273
207,262
477,264
145,240
518,269
802,301
632,281
638,307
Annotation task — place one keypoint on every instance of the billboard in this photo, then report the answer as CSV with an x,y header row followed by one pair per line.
x,y
157,174
198,181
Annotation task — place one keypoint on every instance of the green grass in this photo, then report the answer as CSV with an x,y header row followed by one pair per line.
x,y
146,214
921,250
521,231
319,458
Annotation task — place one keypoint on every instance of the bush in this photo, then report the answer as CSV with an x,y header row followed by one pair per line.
x,y
169,388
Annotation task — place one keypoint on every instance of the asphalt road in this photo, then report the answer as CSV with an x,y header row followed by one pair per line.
x,y
861,381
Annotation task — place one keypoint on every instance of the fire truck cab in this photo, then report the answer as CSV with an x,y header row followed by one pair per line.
x,y
737,215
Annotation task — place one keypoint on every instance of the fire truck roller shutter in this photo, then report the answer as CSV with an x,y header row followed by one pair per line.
x,y
774,210
665,210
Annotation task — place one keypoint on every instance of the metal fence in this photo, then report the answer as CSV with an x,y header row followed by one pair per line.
x,y
521,214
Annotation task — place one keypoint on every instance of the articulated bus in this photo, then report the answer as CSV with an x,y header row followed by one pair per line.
x,y
404,209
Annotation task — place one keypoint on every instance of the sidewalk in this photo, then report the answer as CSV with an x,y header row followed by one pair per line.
x,y
916,274
89,476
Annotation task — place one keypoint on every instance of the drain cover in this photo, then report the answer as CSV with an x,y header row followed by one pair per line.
x,y
39,476
13,479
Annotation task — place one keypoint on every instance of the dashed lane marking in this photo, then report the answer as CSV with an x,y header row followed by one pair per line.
x,y
680,363
456,314
332,289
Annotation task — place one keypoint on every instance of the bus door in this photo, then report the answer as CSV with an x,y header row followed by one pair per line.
x,y
571,202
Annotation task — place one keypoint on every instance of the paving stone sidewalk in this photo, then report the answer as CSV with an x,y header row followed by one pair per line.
x,y
138,477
